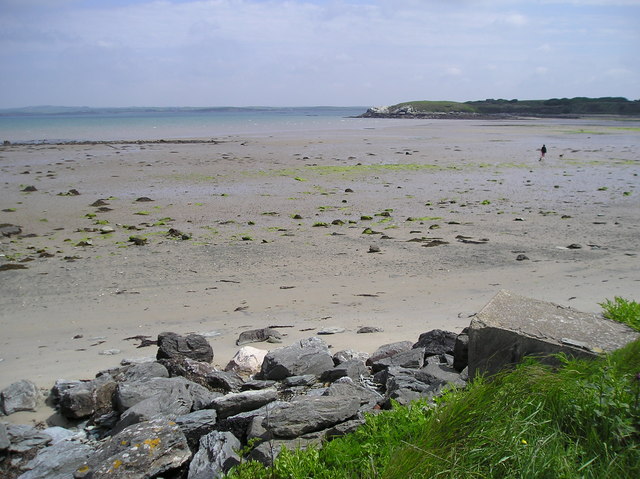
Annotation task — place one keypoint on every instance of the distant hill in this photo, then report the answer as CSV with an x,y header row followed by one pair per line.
x,y
554,107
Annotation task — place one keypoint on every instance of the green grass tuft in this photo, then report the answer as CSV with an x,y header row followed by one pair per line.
x,y
623,311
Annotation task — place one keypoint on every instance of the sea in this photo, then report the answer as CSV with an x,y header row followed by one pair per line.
x,y
37,125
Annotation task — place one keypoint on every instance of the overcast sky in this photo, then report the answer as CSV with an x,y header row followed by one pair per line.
x,y
314,52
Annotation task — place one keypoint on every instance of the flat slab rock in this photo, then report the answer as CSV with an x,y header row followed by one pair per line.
x,y
511,327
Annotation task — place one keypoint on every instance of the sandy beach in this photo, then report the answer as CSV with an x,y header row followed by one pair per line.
x,y
406,227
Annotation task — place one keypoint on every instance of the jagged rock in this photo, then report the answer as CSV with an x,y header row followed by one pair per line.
x,y
169,403
436,342
223,380
511,327
140,451
266,452
309,414
59,461
343,428
142,371
23,438
78,401
192,346
353,369
307,356
368,398
461,351
349,354
128,394
256,384
299,381
19,396
258,335
190,369
215,457
414,358
59,434
387,350
240,424
246,361
197,424
235,403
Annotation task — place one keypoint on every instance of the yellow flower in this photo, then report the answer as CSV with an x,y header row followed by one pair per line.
x,y
522,441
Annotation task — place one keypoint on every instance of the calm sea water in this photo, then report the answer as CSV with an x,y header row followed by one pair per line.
x,y
50,126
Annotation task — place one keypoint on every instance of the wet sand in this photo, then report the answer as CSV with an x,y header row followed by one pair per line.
x,y
280,232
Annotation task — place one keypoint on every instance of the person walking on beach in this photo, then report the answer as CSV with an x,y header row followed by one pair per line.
x,y
543,151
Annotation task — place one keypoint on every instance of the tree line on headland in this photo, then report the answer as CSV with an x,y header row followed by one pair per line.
x,y
553,107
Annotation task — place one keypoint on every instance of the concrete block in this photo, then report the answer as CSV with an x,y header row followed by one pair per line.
x,y
511,327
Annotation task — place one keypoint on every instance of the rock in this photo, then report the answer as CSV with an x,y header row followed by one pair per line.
x,y
387,350
192,346
368,398
331,330
99,202
223,380
144,371
190,369
353,369
574,246
256,384
369,330
128,394
169,403
4,437
413,358
308,414
246,361
522,257
196,424
22,438
258,335
235,403
511,327
19,396
307,356
9,230
138,240
176,233
374,249
59,461
216,455
107,229
29,189
140,451
266,452
143,199
58,434
78,401
437,342
349,354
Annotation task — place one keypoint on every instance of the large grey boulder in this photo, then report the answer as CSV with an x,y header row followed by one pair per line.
x,y
169,404
22,438
437,342
353,368
203,373
197,424
368,398
59,461
308,414
511,327
413,358
142,371
307,356
140,451
4,437
388,350
216,455
247,361
192,346
267,451
235,403
19,396
129,394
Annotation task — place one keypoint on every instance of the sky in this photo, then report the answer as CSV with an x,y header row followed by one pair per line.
x,y
312,52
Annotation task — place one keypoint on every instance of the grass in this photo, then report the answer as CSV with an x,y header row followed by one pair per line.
x,y
580,420
623,311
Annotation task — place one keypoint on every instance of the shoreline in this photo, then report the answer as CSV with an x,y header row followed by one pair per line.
x,y
277,226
